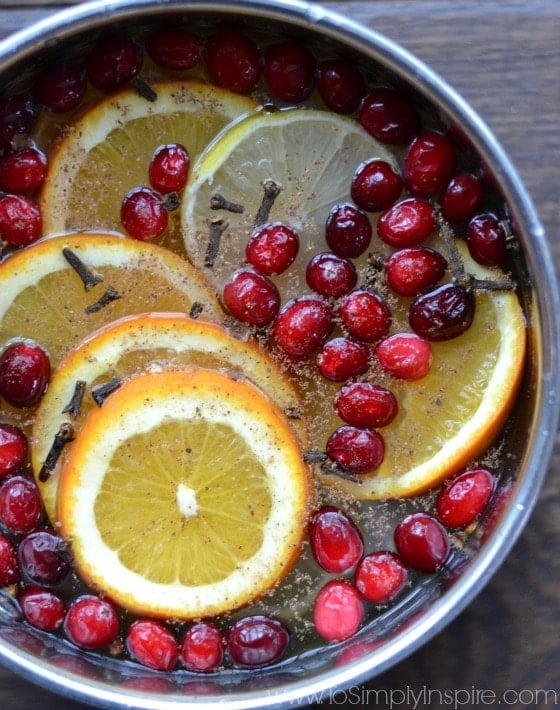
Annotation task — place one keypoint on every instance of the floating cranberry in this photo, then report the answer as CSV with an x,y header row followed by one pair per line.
x,y
330,275
422,542
429,164
9,567
25,371
91,622
152,645
376,186
406,223
60,86
380,576
13,448
341,358
348,231
233,59
462,198
21,506
174,48
18,114
113,62
255,641
365,315
42,608
202,648
169,168
341,85
289,71
406,356
272,248
22,171
42,558
486,240
414,270
366,405
464,498
389,117
336,542
251,298
442,314
356,450
143,214
302,326
20,220
338,610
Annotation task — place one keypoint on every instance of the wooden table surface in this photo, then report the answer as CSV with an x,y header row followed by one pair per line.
x,y
503,56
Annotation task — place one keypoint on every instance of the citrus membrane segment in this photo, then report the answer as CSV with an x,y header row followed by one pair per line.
x,y
226,485
44,298
107,151
138,344
311,155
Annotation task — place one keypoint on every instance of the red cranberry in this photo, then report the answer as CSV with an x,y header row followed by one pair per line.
x,y
42,558
21,506
442,314
366,405
341,85
389,117
486,240
356,450
422,542
20,220
25,372
429,164
289,71
202,647
406,356
376,186
302,326
338,610
152,645
113,62
380,576
42,608
336,542
330,275
23,171
60,86
91,622
258,640
272,248
462,500
18,114
169,168
9,567
365,316
414,270
13,449
340,359
251,298
233,59
347,231
174,48
406,223
462,198
143,214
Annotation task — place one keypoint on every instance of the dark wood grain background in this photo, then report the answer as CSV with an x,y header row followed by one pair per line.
x,y
504,58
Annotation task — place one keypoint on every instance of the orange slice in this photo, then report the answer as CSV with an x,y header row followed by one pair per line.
x,y
184,495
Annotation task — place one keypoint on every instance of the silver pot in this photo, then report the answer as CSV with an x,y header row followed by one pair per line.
x,y
54,664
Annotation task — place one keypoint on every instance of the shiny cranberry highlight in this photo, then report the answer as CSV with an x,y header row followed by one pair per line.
x,y
302,326
152,645
143,214
169,168
341,358
271,249
91,622
365,315
25,372
422,542
113,62
464,498
380,576
347,231
233,59
356,450
376,186
42,558
414,270
255,641
21,223
406,356
341,85
462,198
251,298
9,567
366,405
21,506
486,240
174,48
14,448
202,648
389,117
42,608
406,223
336,542
429,164
23,170
442,314
289,71
330,275
338,611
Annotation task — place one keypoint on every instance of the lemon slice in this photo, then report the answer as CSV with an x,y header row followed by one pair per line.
x,y
107,151
44,298
138,344
310,154
185,495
